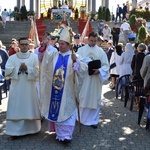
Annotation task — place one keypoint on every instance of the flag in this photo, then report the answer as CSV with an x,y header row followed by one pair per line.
x,y
33,34
85,29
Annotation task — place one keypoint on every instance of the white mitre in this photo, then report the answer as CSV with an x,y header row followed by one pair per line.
x,y
65,35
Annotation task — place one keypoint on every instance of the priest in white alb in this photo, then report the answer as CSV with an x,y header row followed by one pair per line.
x,y
23,113
90,93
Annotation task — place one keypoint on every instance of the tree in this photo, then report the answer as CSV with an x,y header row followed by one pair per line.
x,y
59,4
24,13
76,14
142,33
132,21
100,13
104,12
107,16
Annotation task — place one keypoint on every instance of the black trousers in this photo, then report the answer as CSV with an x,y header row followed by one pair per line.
x,y
124,16
115,40
118,15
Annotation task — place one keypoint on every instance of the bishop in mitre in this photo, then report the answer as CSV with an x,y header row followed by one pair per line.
x,y
60,74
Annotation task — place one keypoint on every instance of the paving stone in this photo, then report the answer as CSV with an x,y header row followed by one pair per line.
x,y
117,130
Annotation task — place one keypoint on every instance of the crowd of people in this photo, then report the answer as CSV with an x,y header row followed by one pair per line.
x,y
61,81
63,75
115,32
6,15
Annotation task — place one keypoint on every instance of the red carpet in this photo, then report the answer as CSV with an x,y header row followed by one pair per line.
x,y
40,28
81,25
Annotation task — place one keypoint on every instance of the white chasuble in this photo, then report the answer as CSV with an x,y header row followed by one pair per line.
x,y
52,78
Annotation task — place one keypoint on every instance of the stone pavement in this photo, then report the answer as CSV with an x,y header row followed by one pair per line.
x,y
117,130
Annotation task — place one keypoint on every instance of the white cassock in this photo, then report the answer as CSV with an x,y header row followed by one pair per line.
x,y
63,108
90,93
23,113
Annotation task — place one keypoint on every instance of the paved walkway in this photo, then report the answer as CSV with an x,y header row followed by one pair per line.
x,y
117,130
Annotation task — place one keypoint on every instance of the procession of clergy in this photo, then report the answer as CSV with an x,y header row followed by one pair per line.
x,y
62,84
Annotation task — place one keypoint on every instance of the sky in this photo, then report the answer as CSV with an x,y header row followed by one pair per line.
x,y
10,4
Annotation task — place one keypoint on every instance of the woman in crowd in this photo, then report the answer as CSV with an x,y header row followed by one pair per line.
x,y
106,32
114,65
136,65
13,48
125,60
115,33
137,61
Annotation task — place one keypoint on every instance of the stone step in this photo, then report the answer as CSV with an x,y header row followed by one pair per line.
x,y
53,24
17,29
14,29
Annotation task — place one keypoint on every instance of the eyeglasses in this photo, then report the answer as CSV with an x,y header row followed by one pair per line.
x,y
24,44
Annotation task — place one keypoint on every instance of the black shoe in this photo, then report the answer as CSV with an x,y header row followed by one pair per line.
x,y
42,119
14,137
66,141
94,126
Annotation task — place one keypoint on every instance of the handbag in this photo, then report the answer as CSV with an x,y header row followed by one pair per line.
x,y
134,71
113,65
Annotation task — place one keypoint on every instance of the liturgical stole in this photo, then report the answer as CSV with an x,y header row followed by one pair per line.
x,y
57,86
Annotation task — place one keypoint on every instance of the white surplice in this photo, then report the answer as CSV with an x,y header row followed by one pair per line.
x,y
23,113
90,93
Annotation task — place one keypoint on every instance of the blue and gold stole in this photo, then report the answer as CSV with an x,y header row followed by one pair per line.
x,y
57,86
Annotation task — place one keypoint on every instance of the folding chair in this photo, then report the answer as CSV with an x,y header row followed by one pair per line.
x,y
5,85
143,104
133,90
121,83
1,84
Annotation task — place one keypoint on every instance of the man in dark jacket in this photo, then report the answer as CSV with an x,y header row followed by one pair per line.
x,y
118,12
4,56
77,44
124,11
109,50
115,33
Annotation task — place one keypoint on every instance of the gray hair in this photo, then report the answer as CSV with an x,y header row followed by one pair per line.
x,y
142,47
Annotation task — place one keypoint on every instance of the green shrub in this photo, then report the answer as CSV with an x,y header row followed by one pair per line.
x,y
24,13
141,14
107,16
132,21
59,4
100,13
142,33
147,41
104,12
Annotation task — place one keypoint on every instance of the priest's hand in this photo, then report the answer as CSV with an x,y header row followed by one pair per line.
x,y
96,72
23,67
74,57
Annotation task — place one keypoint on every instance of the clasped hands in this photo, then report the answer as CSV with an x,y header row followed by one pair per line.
x,y
23,67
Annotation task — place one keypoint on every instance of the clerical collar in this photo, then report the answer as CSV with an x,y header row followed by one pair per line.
x,y
91,46
66,53
21,55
